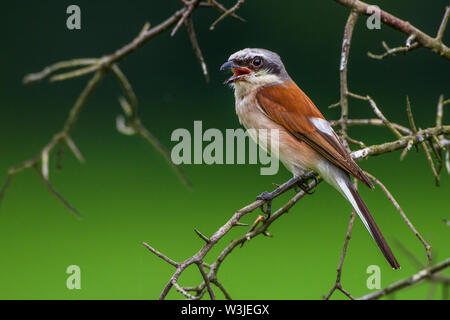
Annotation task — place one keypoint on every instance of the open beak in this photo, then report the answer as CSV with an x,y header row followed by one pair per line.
x,y
238,72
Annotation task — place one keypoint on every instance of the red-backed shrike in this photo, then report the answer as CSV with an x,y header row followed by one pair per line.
x,y
267,98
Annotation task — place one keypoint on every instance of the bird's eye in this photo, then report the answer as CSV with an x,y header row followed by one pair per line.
x,y
257,61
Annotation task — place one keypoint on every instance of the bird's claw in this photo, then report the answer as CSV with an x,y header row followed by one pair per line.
x,y
267,198
303,186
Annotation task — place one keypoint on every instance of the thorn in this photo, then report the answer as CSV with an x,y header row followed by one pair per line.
x,y
204,238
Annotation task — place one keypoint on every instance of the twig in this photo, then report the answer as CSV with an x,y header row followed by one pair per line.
x,y
425,40
159,254
338,285
378,112
58,66
400,143
343,67
443,25
56,193
221,8
430,161
206,280
192,36
412,124
402,213
373,122
393,51
227,13
190,6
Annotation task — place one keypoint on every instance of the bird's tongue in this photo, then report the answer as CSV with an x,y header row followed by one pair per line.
x,y
240,71
237,73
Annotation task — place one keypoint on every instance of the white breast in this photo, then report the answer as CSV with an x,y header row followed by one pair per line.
x,y
291,151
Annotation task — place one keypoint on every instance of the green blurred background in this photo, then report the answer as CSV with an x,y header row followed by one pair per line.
x,y
127,193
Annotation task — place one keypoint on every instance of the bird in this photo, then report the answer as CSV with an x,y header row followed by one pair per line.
x,y
267,98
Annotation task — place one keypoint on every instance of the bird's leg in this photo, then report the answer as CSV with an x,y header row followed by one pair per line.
x,y
268,196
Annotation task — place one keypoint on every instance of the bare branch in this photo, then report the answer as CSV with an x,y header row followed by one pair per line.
x,y
56,193
373,122
430,161
162,256
190,6
338,285
57,138
203,237
227,13
443,25
393,51
413,280
74,149
423,39
198,52
206,280
400,143
221,8
378,112
410,115
402,213
345,52
32,77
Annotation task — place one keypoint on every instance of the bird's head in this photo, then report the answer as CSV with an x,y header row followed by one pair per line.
x,y
254,67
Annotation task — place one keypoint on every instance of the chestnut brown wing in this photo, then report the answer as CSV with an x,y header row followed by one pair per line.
x,y
289,106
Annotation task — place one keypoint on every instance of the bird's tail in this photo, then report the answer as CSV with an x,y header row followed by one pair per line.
x,y
351,194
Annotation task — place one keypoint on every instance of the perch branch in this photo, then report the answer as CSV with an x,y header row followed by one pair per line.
x,y
264,225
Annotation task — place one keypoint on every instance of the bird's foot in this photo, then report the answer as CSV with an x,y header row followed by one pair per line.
x,y
267,198
304,185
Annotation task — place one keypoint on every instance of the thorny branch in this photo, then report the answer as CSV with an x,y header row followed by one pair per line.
x,y
129,123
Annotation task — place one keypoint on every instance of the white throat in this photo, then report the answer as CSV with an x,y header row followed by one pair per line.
x,y
252,83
